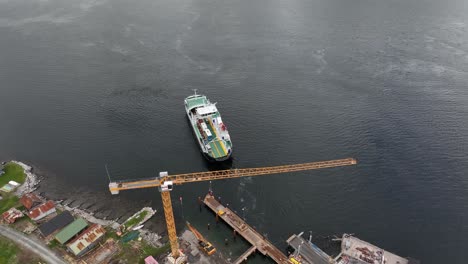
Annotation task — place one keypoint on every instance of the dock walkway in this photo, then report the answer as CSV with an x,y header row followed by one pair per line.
x,y
244,256
309,253
257,241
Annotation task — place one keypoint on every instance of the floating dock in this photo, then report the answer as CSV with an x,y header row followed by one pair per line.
x,y
257,241
307,252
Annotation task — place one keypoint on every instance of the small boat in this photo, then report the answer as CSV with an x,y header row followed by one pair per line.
x,y
138,227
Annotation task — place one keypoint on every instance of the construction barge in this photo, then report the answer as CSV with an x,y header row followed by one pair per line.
x,y
357,251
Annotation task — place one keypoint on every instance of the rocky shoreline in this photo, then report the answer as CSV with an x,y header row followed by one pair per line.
x,y
32,182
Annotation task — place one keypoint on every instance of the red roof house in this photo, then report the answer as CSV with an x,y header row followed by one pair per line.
x,y
11,215
30,200
86,240
42,211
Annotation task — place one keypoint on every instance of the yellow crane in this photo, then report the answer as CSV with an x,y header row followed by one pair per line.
x,y
165,183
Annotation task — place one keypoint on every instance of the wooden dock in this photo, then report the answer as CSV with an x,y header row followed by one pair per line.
x,y
244,256
257,241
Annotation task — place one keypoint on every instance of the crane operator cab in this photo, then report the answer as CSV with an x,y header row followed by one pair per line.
x,y
166,186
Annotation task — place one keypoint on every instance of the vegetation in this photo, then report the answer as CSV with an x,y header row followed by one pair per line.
x,y
12,254
9,200
8,252
13,172
54,243
149,250
136,252
110,233
135,220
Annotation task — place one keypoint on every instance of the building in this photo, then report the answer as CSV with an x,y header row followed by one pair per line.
x,y
30,200
150,260
11,215
87,240
71,230
42,211
56,223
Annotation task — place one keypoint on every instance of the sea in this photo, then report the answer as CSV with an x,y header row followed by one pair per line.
x,y
86,84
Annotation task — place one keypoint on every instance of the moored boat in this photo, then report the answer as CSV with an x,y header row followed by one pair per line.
x,y
209,129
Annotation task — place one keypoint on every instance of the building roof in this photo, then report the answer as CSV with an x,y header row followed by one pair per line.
x,y
86,238
30,200
71,230
11,215
42,210
56,223
150,260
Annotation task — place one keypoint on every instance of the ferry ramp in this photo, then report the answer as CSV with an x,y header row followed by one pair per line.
x,y
218,149
310,253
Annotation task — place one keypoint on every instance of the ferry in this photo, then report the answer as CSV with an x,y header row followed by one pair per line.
x,y
209,129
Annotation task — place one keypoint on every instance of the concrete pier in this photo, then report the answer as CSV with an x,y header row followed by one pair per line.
x,y
257,241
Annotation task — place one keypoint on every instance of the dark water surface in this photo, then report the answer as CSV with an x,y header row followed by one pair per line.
x,y
89,82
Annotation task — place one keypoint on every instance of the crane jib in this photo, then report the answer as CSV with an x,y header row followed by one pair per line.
x,y
178,179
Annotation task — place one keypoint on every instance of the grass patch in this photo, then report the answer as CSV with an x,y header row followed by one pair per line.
x,y
53,244
134,220
150,250
136,252
9,200
8,252
12,254
13,172
110,233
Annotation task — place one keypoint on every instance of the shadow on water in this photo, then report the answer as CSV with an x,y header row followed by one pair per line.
x,y
219,165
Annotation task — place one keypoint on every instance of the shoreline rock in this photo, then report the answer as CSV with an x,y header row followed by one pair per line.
x,y
30,183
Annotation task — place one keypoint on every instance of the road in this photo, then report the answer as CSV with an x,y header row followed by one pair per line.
x,y
31,244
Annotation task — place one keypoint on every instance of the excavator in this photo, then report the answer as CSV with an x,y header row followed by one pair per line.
x,y
166,182
206,246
